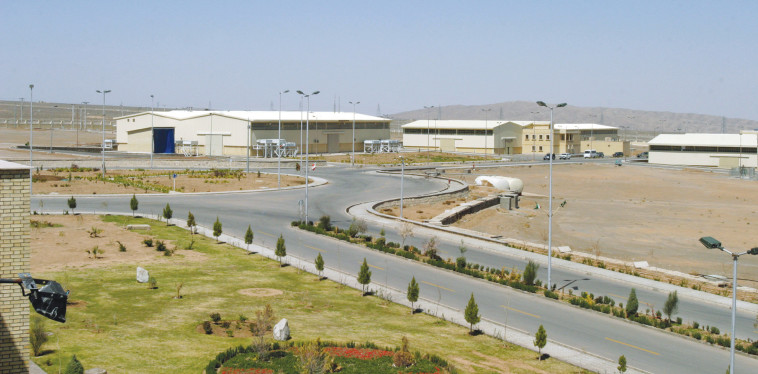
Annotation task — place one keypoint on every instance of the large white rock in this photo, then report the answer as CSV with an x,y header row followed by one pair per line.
x,y
282,330
142,275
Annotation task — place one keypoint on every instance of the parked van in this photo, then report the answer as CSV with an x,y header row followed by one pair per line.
x,y
590,153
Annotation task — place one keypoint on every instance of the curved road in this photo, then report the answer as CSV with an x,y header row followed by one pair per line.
x,y
270,214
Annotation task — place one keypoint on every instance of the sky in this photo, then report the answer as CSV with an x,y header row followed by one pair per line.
x,y
392,56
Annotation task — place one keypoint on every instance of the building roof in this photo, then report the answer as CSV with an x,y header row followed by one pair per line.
x,y
7,165
263,116
466,124
712,140
583,126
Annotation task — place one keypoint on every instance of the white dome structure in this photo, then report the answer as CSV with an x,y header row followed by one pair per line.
x,y
513,185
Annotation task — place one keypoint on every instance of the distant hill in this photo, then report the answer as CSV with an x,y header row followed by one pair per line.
x,y
637,121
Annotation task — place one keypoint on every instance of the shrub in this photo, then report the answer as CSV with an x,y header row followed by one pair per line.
x,y
325,222
697,335
715,330
160,246
74,366
38,335
552,295
695,325
460,262
215,317
152,283
403,358
225,324
121,246
207,327
148,242
530,272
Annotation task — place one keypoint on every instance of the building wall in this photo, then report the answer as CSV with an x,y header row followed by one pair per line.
x,y
607,147
14,259
725,160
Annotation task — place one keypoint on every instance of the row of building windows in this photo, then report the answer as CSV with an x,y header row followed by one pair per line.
x,y
321,125
446,132
680,148
526,137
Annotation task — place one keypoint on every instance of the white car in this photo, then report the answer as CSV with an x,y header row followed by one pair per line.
x,y
565,156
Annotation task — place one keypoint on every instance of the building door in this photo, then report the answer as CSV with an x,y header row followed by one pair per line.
x,y
332,143
447,145
163,140
214,145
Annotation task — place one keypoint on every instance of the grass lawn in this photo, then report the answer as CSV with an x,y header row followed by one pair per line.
x,y
122,326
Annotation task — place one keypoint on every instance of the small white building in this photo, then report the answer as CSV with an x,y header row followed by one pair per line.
x,y
231,132
474,136
719,150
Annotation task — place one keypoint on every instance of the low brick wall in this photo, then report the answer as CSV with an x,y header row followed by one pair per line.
x,y
452,215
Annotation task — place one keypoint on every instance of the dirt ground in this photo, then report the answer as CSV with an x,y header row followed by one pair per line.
x,y
426,212
630,213
10,137
53,247
394,158
63,183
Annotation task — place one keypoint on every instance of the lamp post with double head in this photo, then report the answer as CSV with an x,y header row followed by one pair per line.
x,y
352,157
486,114
711,243
31,137
103,145
279,144
307,142
550,195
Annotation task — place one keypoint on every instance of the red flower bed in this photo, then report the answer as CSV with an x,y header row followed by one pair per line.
x,y
246,371
359,353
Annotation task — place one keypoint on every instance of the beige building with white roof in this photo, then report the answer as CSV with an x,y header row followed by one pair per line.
x,y
229,132
511,137
719,150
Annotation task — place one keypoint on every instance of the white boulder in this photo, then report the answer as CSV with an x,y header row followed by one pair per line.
x,y
282,330
142,275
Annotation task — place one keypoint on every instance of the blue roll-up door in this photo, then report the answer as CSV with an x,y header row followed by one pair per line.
x,y
163,140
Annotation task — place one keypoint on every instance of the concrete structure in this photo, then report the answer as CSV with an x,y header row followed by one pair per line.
x,y
14,259
719,150
225,133
511,137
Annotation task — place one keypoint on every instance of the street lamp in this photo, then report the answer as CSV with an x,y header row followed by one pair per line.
x,y
352,158
48,300
550,194
51,134
486,113
103,145
402,179
428,108
279,144
307,143
711,243
31,137
152,129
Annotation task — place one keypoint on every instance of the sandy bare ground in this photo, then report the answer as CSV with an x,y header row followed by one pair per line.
x,y
72,183
66,246
630,213
11,137
394,158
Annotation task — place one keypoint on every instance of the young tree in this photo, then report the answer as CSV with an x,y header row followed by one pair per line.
x,y
249,237
672,305
364,275
530,272
430,248
413,291
217,230
472,313
72,204
632,304
281,249
167,213
622,364
320,265
540,339
74,366
325,222
460,262
191,222
405,232
37,335
133,203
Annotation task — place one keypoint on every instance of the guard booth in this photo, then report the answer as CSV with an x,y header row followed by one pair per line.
x,y
163,140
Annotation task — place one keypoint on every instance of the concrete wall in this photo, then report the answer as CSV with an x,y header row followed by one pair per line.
x,y
14,259
724,160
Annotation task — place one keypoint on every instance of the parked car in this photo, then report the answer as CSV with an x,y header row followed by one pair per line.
x,y
600,154
590,153
618,154
565,156
547,156
642,155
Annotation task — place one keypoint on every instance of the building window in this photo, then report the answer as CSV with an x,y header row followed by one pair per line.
x,y
540,148
563,136
547,137
533,149
540,137
526,137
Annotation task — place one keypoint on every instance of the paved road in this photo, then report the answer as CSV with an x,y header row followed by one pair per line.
x,y
270,214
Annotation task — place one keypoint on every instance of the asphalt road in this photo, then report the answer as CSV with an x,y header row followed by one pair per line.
x,y
270,214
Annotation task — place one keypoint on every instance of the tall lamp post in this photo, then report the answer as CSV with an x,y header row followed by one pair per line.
x,y
31,137
428,108
103,152
279,145
486,113
152,129
352,157
307,143
84,122
710,242
402,179
550,195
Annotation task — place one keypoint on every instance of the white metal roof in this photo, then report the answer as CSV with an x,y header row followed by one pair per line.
x,y
712,140
464,124
7,165
264,116
583,126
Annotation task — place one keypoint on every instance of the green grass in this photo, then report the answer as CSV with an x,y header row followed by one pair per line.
x,y
124,327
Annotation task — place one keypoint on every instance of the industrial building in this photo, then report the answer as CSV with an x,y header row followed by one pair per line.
x,y
511,137
230,133
719,150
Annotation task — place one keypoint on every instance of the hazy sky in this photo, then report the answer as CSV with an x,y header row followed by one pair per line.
x,y
679,56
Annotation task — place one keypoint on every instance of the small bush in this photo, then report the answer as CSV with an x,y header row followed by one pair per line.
x,y
160,246
215,317
207,327
551,294
148,242
695,325
225,324
152,283
715,330
74,366
121,246
697,335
